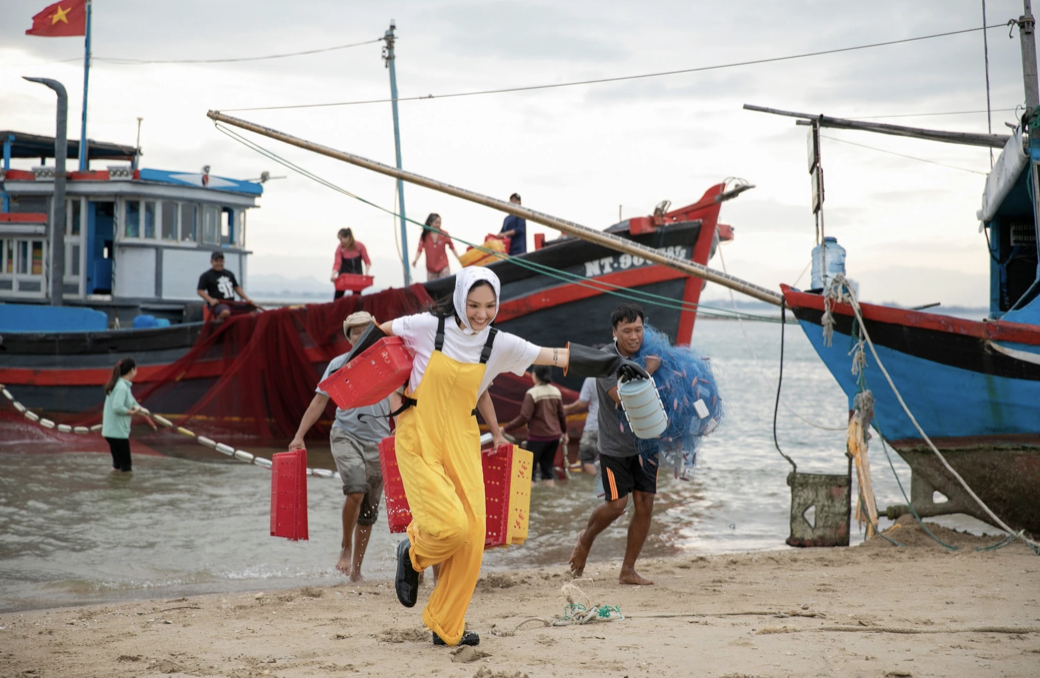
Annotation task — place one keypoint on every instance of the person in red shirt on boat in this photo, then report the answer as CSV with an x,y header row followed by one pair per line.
x,y
434,243
350,254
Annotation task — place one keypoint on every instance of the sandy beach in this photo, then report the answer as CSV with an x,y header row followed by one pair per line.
x,y
872,610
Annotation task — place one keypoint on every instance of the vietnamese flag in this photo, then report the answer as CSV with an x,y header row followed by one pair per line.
x,y
60,20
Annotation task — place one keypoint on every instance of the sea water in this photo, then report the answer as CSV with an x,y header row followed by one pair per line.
x,y
192,521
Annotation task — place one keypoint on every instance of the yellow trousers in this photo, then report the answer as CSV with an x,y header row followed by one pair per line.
x,y
438,453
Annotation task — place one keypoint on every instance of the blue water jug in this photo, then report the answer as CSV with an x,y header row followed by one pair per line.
x,y
835,261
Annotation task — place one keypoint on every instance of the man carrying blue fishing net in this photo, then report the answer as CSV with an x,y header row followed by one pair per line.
x,y
671,414
620,461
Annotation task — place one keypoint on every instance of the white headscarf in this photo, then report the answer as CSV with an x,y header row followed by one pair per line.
x,y
464,282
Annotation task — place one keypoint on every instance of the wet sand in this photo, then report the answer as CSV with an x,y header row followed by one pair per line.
x,y
872,610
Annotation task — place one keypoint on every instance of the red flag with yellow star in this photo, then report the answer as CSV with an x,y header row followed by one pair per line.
x,y
60,20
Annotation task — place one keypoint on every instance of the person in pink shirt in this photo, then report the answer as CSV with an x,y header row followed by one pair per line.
x,y
434,243
349,256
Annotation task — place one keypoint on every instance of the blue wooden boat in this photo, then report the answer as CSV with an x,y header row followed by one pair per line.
x,y
972,385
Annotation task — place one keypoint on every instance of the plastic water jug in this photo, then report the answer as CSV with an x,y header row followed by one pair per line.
x,y
643,407
835,261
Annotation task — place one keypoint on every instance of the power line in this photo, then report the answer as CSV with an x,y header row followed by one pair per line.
x,y
122,61
928,115
909,157
139,62
597,81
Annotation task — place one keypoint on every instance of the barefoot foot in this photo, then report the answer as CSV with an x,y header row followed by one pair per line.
x,y
343,565
579,555
632,577
355,575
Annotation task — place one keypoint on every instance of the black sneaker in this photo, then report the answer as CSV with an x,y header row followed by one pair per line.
x,y
407,580
468,638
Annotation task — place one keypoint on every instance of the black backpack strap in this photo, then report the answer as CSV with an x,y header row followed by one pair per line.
x,y
485,352
438,342
406,402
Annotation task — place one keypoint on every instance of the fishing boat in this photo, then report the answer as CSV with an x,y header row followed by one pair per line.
x,y
137,239
973,386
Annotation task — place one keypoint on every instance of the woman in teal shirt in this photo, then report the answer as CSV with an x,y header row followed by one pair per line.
x,y
120,407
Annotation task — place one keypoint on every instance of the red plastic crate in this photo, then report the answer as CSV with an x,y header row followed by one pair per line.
x,y
498,469
353,282
371,376
289,495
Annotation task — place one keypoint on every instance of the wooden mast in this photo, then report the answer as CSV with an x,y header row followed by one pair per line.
x,y
569,227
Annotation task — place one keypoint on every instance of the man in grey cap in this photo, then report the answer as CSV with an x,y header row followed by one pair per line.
x,y
355,440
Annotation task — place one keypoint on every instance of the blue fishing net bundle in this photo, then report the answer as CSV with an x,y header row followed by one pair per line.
x,y
683,379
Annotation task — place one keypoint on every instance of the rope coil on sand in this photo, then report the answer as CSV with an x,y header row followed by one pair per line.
x,y
240,455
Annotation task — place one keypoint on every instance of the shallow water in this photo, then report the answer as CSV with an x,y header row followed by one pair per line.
x,y
193,522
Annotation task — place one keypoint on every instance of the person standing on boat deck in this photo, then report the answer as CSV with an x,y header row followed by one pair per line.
x,y
515,228
621,469
350,254
542,411
456,355
120,407
434,243
354,439
588,448
218,287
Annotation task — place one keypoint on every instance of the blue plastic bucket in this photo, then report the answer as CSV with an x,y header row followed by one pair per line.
x,y
643,407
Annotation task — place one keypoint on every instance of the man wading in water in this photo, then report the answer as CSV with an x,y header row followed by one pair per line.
x,y
621,469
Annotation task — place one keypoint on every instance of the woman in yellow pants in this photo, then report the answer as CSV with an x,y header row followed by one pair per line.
x,y
457,354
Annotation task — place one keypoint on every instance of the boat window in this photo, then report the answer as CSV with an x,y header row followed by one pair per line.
x,y
75,261
169,220
37,257
132,222
210,235
226,232
73,212
7,256
189,222
149,219
29,203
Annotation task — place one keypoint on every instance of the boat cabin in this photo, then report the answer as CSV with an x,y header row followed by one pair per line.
x,y
1010,224
136,240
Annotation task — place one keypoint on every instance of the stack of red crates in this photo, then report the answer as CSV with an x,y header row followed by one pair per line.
x,y
499,488
289,495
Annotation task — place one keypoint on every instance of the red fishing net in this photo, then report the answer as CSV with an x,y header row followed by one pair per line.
x,y
256,374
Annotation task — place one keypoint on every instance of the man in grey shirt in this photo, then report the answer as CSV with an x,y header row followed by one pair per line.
x,y
620,464
355,440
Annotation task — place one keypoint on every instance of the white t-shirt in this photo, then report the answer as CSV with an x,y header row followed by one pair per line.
x,y
588,395
509,353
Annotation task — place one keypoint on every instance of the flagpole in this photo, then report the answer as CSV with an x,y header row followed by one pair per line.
x,y
86,81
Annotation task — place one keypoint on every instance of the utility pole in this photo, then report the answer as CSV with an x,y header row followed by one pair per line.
x,y
83,150
1026,25
388,57
61,150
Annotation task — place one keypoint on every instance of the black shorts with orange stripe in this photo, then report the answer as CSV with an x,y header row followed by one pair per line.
x,y
622,475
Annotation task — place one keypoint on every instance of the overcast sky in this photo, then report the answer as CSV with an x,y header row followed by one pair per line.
x,y
578,152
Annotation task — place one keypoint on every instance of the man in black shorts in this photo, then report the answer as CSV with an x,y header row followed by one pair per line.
x,y
621,469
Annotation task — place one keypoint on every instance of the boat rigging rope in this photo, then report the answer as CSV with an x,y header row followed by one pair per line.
x,y
758,367
638,296
840,291
240,455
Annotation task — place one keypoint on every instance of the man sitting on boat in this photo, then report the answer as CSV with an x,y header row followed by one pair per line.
x,y
218,287
515,228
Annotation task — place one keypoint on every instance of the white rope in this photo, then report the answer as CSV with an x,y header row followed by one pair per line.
x,y
839,282
758,367
241,455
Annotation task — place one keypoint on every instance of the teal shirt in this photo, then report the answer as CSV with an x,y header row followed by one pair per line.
x,y
116,421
